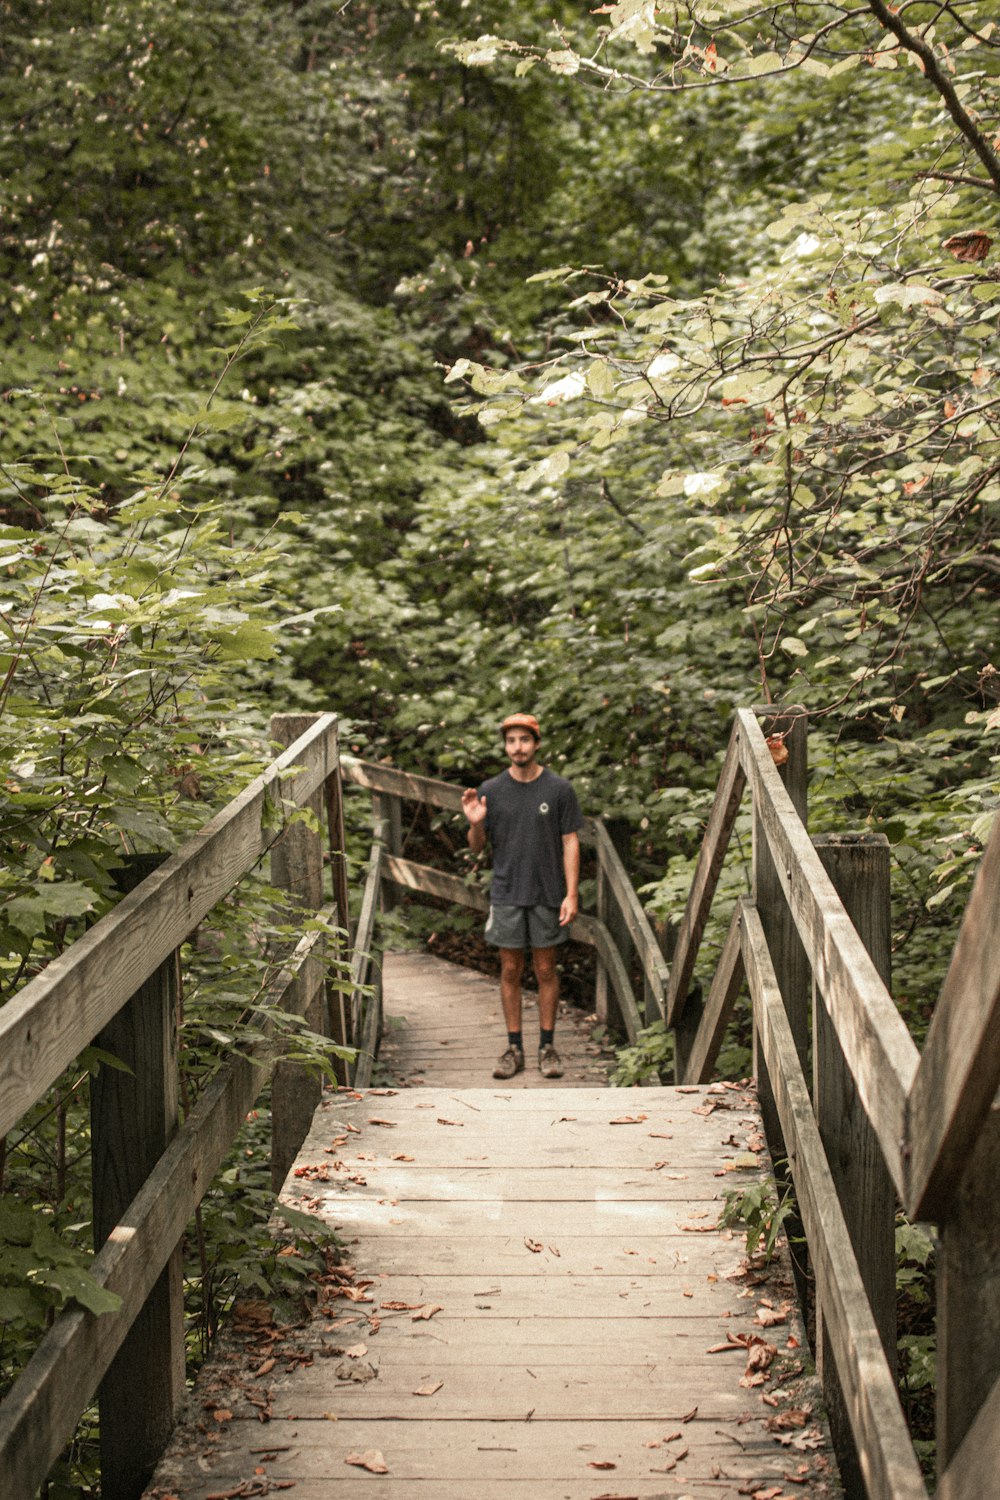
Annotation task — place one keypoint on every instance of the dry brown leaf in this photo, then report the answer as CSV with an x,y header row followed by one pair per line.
x,y
399,1306
535,1246
600,1463
768,1317
442,1121
371,1460
690,1416
222,1414
628,1120
402,1156
374,1120
429,1389
968,244
356,1351
427,1311
264,1369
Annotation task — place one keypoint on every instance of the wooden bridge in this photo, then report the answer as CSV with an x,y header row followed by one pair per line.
x,y
537,1298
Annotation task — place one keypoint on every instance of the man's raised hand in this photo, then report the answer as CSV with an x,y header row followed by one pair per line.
x,y
473,806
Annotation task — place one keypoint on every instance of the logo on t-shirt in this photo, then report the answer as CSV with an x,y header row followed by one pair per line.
x,y
543,807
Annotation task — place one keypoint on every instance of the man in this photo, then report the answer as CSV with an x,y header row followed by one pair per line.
x,y
532,820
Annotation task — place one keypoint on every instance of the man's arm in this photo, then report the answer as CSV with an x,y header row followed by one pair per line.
x,y
474,808
571,870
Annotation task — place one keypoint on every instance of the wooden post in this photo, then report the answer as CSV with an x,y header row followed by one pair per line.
x,y
858,866
337,1001
605,1004
297,867
787,954
389,810
133,1117
791,967
968,1306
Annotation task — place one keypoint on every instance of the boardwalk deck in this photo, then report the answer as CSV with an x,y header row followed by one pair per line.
x,y
533,1283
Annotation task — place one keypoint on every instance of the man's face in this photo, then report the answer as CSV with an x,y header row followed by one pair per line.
x,y
520,745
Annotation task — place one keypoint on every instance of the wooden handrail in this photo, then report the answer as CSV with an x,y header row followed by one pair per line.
x,y
655,967
715,844
959,1071
366,1018
56,1015
879,1050
861,1363
38,1416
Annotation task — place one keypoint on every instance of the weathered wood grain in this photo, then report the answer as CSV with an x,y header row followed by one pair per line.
x,y
50,1021
698,1046
706,877
654,966
877,1047
959,1071
38,1416
888,1463
550,1358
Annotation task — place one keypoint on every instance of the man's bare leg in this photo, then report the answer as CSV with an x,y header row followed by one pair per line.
x,y
511,969
544,962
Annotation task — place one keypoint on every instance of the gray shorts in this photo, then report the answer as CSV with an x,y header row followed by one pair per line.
x,y
525,927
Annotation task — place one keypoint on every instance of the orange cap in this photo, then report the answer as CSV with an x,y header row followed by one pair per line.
x,y
521,721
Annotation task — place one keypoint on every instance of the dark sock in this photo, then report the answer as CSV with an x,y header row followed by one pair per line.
x,y
514,1040
546,1038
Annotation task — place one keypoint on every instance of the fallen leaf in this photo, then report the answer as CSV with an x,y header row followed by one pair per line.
x,y
402,1156
222,1414
768,1317
356,1351
690,1416
429,1389
554,1250
791,1417
374,1120
264,1369
534,1246
442,1121
399,1306
371,1460
601,1463
425,1312
628,1120
803,1440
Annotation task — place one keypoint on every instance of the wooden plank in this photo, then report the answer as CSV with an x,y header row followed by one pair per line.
x,y
877,1423
858,866
959,1071
133,1116
38,1416
430,882
972,1472
588,929
968,1294
50,1021
297,869
654,966
696,1054
443,794
714,845
361,957
877,1047
605,1004
388,779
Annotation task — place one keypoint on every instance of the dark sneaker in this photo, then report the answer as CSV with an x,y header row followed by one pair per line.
x,y
549,1062
509,1063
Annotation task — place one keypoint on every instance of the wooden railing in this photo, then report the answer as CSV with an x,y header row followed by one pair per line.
x,y
118,985
881,1122
620,922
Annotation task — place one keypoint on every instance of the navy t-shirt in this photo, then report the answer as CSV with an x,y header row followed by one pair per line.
x,y
525,823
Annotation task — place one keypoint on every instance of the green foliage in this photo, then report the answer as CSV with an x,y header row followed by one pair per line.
x,y
41,1274
649,1060
759,1210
